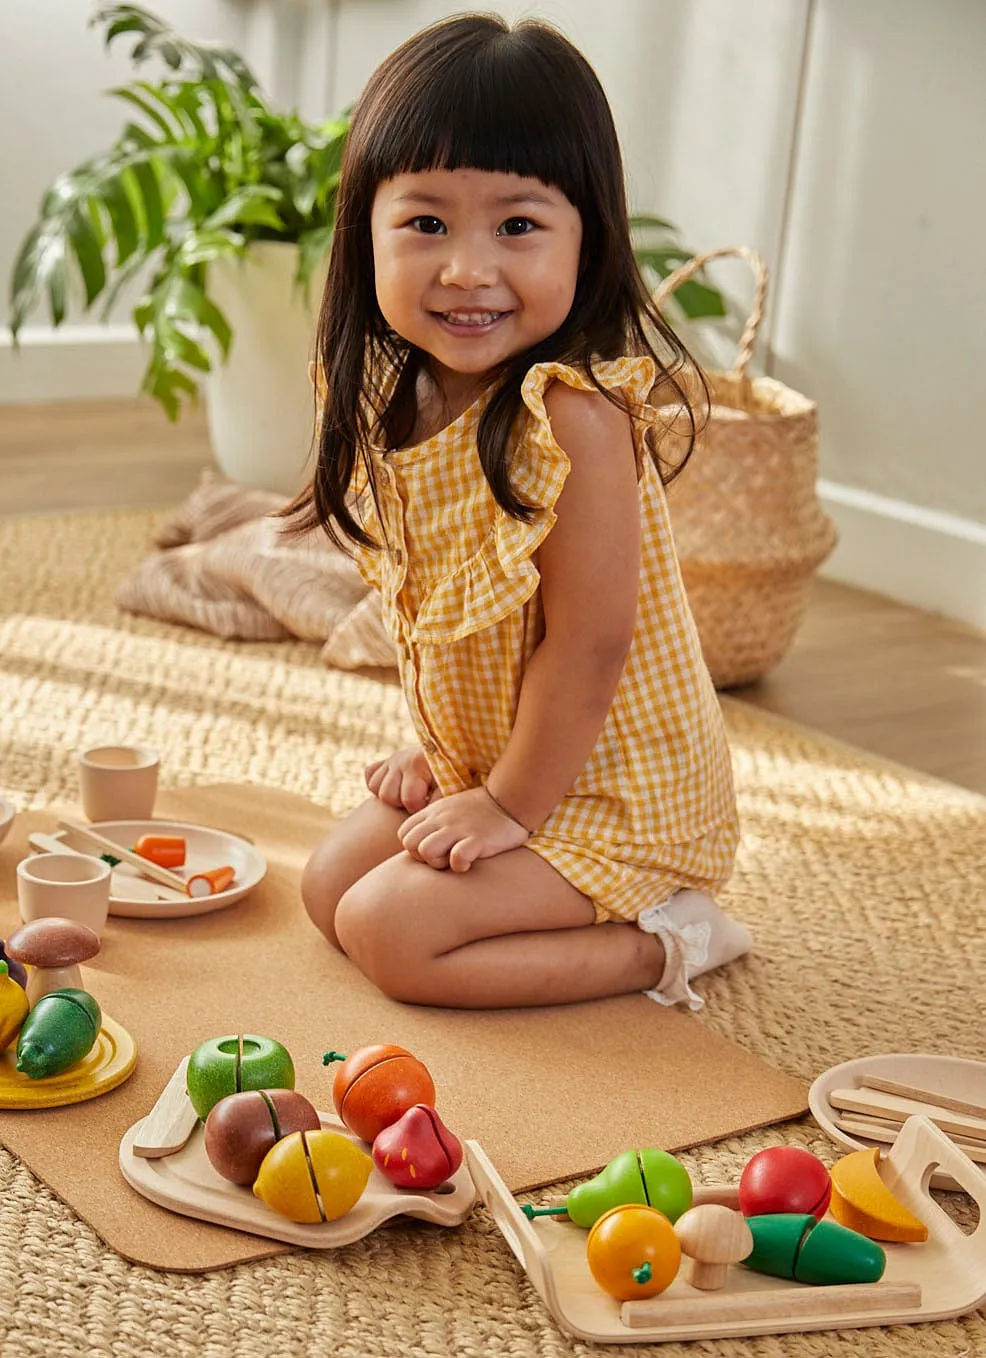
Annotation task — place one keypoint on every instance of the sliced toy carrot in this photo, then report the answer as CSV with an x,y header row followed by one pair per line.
x,y
167,851
210,883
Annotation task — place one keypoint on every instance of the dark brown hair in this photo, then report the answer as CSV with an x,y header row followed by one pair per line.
x,y
473,92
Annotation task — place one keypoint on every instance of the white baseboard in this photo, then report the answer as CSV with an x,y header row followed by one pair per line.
x,y
917,556
73,363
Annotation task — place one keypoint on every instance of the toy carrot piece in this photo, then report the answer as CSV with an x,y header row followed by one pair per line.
x,y
210,883
167,851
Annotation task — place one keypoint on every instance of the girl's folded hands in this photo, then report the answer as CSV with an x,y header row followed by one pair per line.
x,y
453,832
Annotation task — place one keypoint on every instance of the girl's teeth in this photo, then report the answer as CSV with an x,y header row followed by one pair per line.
x,y
471,318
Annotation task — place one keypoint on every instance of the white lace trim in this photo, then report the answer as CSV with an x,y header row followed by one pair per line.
x,y
686,950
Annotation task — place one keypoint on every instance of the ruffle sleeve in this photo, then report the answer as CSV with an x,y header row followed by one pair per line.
x,y
501,576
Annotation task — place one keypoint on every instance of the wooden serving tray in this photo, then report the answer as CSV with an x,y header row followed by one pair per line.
x,y
942,1278
185,1182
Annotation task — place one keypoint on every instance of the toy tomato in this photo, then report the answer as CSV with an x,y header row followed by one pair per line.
x,y
633,1252
784,1179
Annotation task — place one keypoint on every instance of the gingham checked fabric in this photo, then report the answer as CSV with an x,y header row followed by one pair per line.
x,y
654,809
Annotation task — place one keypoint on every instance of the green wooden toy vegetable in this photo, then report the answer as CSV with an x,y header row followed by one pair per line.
x,y
797,1245
650,1176
60,1029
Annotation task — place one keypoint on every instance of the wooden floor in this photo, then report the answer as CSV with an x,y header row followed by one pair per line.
x,y
903,683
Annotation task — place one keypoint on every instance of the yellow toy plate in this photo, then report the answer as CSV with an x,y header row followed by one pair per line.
x,y
110,1061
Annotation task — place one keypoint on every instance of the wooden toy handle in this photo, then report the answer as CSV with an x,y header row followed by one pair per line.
x,y
170,1122
920,1150
145,865
804,1303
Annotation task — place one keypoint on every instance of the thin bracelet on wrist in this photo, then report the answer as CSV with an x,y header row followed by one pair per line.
x,y
500,807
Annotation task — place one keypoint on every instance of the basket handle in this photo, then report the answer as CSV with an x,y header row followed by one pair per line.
x,y
691,266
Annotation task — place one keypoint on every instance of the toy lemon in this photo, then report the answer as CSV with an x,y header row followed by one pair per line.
x,y
313,1176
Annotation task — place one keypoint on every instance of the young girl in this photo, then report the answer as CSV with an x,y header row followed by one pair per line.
x,y
487,361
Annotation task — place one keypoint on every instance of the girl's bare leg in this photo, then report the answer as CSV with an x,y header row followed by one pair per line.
x,y
365,838
510,931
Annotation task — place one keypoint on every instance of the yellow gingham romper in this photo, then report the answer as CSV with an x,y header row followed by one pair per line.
x,y
654,809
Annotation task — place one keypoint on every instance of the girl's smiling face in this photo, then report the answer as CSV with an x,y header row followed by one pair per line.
x,y
473,267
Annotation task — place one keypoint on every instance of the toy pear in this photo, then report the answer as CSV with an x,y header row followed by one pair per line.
x,y
650,1176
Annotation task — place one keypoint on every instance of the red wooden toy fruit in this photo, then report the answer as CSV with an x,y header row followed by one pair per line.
x,y
418,1150
376,1085
784,1179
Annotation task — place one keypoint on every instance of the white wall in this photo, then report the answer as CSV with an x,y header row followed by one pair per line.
x,y
839,139
55,113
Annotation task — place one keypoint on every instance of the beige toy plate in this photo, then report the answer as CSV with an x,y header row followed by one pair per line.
x,y
107,1065
185,1182
942,1278
950,1075
205,848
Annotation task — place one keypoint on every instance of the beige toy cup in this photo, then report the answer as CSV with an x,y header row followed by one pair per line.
x,y
118,782
70,885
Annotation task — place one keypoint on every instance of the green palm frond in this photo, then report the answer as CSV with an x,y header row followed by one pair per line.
x,y
202,166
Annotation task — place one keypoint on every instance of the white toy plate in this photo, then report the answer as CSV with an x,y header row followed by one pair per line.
x,y
205,848
954,1076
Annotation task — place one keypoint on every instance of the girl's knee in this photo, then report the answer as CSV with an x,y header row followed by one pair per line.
x,y
369,933
320,895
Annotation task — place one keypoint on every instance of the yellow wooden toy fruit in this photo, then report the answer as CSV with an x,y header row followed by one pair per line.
x,y
864,1203
313,1176
13,1007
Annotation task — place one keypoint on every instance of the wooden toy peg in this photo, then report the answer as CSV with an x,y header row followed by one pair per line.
x,y
712,1237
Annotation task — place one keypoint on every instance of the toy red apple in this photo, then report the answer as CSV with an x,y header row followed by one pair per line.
x,y
376,1085
418,1150
784,1179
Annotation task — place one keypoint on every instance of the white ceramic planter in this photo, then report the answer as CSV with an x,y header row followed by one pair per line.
x,y
259,404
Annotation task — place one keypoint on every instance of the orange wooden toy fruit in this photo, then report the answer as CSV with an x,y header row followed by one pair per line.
x,y
376,1085
633,1252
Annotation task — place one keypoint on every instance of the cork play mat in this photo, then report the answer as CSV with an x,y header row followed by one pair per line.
x,y
861,881
640,1073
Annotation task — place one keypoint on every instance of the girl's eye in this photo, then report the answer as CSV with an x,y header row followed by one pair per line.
x,y
428,226
516,226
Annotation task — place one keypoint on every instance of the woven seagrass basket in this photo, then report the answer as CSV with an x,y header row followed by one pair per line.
x,y
748,527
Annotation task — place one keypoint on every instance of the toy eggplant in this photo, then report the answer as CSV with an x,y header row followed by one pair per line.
x,y
60,1030
651,1177
13,1006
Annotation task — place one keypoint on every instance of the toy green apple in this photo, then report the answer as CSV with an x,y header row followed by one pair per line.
x,y
227,1065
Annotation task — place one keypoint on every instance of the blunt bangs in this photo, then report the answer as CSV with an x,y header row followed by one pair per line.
x,y
511,104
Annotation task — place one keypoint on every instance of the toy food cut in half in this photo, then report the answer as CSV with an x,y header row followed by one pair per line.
x,y
864,1203
231,1064
376,1085
313,1176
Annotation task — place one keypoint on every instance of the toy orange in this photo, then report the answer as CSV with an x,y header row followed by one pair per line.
x,y
376,1085
633,1252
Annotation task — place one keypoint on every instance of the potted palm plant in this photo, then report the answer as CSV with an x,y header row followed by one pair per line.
x,y
222,209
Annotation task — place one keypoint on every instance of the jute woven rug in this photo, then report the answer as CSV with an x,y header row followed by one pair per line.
x,y
862,881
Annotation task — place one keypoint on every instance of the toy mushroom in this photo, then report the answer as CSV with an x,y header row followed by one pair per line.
x,y
712,1237
52,947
